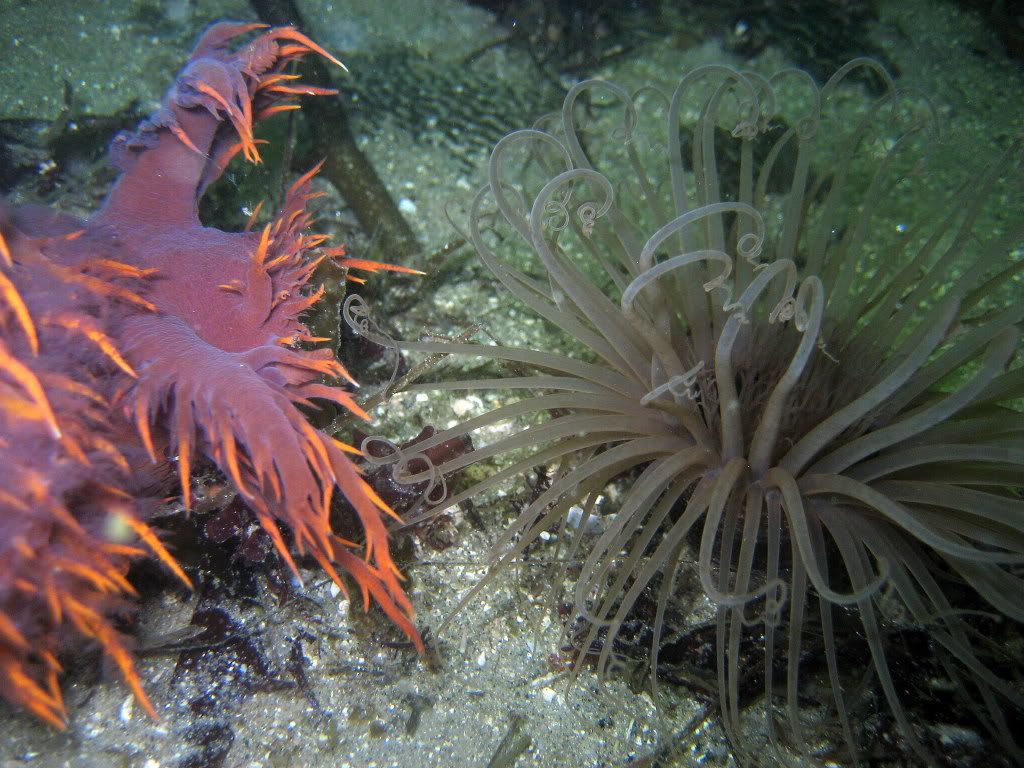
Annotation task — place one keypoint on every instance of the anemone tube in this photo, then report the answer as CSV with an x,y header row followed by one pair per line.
x,y
825,418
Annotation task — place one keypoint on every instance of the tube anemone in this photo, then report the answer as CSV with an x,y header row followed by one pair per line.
x,y
823,417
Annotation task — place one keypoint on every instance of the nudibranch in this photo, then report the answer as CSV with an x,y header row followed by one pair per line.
x,y
139,339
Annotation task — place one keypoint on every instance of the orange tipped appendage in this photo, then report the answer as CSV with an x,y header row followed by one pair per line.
x,y
36,405
305,45
260,254
259,64
184,138
99,287
146,534
376,266
378,502
45,704
184,429
91,624
5,252
91,331
68,579
350,449
254,216
340,257
10,295
112,363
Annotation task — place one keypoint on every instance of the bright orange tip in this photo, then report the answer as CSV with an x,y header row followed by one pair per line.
x,y
31,385
305,44
279,77
241,29
261,251
10,294
97,337
379,503
125,270
303,90
183,137
307,176
10,633
146,534
5,251
375,266
346,447
312,241
295,338
274,109
254,215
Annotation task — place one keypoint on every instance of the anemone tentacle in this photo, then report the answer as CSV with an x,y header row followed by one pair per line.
x,y
826,416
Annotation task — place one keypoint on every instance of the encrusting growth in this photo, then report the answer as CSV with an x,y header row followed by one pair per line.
x,y
141,334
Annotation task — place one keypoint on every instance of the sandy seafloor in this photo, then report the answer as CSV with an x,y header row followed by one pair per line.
x,y
387,710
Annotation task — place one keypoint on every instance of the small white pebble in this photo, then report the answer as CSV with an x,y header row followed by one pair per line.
x,y
481,660
126,708
575,516
462,406
548,694
407,206
334,589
